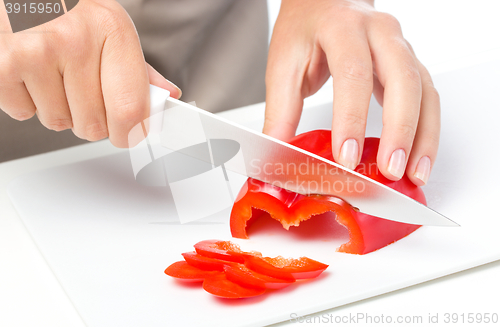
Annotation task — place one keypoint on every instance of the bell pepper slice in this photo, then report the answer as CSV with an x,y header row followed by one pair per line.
x,y
287,269
205,263
183,271
220,286
224,250
246,277
366,233
230,279
279,267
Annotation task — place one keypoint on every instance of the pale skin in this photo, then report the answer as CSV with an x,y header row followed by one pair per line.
x,y
364,51
85,71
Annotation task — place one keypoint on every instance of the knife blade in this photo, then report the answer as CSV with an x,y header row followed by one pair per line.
x,y
283,165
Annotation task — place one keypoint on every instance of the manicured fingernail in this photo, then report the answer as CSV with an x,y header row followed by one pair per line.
x,y
397,163
423,169
349,154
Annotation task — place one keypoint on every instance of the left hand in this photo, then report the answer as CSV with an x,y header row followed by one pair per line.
x,y
364,51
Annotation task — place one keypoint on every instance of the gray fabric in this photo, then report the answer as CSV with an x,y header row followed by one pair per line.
x,y
214,50
27,138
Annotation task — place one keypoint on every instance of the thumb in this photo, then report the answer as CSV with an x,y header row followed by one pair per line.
x,y
157,79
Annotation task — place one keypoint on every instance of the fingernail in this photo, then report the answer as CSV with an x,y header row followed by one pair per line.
x,y
349,154
423,169
177,88
397,163
159,81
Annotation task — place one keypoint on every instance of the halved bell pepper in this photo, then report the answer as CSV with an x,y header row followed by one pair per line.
x,y
366,233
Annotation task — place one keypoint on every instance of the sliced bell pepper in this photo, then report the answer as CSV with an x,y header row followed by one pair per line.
x,y
244,276
366,233
185,272
279,267
230,279
223,250
206,263
220,286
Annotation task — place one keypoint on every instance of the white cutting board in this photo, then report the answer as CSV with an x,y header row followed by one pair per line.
x,y
108,239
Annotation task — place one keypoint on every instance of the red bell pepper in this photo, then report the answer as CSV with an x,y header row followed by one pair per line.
x,y
224,250
279,267
217,264
219,285
246,277
367,233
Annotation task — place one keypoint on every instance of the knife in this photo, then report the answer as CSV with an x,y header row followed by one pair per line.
x,y
182,126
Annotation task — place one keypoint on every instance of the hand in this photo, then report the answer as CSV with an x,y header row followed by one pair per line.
x,y
84,70
364,51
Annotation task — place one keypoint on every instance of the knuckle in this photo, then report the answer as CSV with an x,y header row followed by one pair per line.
x,y
388,21
128,110
77,42
117,142
410,73
409,47
57,124
22,115
111,18
119,30
271,118
35,52
78,133
71,38
350,14
431,91
353,120
96,132
354,17
356,71
127,138
433,140
405,131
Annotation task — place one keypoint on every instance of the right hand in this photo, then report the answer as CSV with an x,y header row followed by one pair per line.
x,y
84,70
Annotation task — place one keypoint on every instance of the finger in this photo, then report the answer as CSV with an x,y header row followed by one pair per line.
x,y
83,91
284,98
157,79
14,97
398,73
46,88
352,76
425,146
15,100
124,78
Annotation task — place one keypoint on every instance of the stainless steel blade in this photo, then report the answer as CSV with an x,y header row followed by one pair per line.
x,y
286,166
